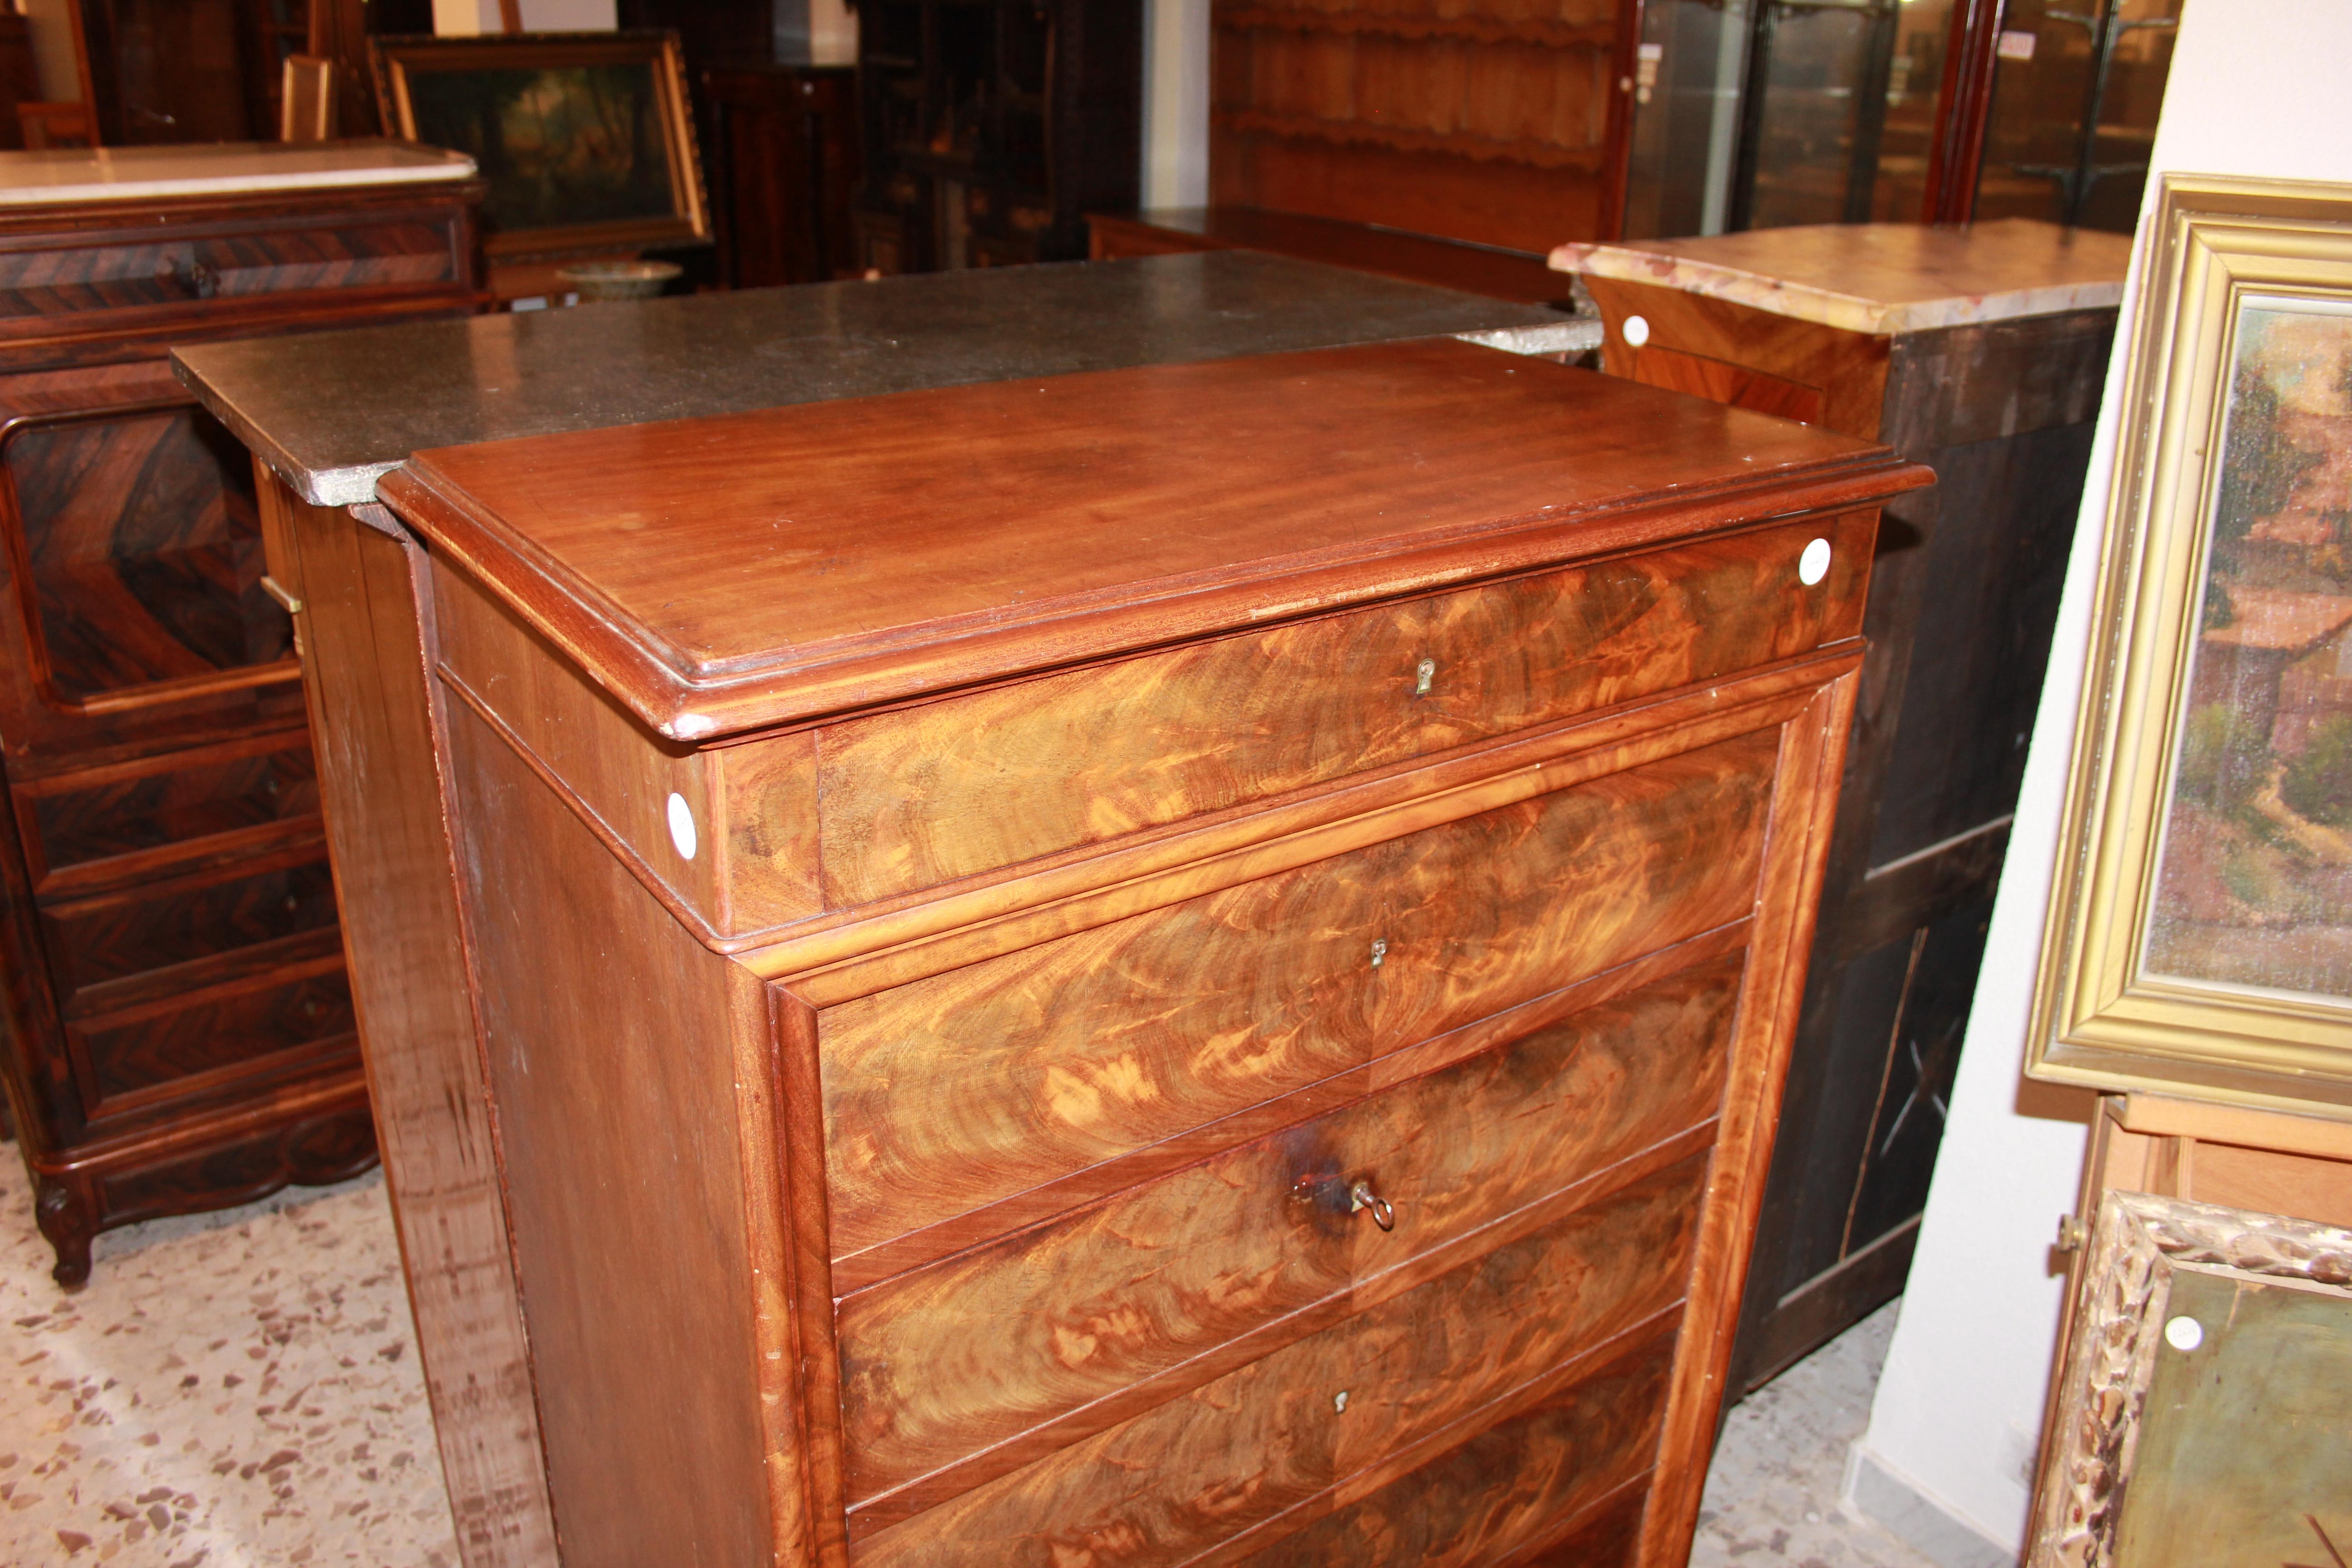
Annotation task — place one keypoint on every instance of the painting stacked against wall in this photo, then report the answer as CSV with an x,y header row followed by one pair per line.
x,y
2255,878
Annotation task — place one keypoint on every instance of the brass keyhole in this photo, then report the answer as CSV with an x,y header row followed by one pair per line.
x,y
1379,951
1423,674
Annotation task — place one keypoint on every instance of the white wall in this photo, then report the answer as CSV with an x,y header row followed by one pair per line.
x,y
1175,103
470,17
2258,87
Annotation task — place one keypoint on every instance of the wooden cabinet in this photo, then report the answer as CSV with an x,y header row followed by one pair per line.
x,y
1981,353
782,146
179,1031
992,128
1016,1029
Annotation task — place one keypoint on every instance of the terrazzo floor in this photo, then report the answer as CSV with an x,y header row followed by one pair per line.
x,y
241,1390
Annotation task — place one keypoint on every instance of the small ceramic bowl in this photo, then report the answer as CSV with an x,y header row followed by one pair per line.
x,y
619,280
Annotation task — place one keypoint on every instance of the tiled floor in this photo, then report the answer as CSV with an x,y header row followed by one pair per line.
x,y
242,1391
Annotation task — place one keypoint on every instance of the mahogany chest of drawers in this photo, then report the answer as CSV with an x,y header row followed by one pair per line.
x,y
1172,965
178,1031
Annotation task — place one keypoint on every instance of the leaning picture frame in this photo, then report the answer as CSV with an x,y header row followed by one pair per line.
x,y
2198,1409
584,141
2200,934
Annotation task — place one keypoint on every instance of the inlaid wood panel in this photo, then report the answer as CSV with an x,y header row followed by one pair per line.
x,y
1510,1488
975,1350
927,794
180,920
188,270
161,1036
1240,1452
139,534
76,821
986,1080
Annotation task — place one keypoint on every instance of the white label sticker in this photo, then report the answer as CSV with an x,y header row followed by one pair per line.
x,y
2184,1333
1637,331
2015,47
1813,564
681,826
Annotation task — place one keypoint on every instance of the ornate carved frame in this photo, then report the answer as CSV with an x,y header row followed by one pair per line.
x,y
2119,1314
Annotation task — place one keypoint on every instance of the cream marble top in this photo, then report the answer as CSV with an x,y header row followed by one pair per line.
x,y
1880,277
128,174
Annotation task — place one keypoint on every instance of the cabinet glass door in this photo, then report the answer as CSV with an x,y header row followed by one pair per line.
x,y
1760,113
2076,93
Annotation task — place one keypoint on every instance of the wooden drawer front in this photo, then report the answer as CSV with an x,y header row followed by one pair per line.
x,y
78,822
108,936
1739,385
249,1015
930,794
1556,1477
1269,1437
984,1082
982,1347
150,271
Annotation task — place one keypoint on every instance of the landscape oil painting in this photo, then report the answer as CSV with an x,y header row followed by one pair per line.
x,y
557,144
2253,884
2241,1461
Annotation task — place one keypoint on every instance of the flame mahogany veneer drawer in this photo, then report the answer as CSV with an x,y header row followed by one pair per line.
x,y
1263,1451
1239,1253
981,1086
884,806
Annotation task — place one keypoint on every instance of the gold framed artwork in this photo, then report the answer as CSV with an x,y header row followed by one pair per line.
x,y
2202,1404
584,141
2199,938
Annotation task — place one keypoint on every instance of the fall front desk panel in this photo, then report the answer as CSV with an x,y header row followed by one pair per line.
x,y
1179,964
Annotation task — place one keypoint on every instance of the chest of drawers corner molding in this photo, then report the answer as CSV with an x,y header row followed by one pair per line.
x,y
1286,1088
179,1035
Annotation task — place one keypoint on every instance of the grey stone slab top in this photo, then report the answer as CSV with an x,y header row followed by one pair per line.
x,y
331,411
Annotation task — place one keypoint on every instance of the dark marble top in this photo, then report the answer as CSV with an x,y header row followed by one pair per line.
x,y
331,411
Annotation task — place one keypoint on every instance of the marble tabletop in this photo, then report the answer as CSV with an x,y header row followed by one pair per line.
x,y
1880,277
332,412
130,174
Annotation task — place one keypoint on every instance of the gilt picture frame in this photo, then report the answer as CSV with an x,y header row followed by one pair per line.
x,y
2200,935
584,141
2198,1419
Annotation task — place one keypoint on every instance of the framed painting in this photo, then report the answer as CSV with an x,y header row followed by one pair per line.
x,y
584,141
2200,1413
2200,938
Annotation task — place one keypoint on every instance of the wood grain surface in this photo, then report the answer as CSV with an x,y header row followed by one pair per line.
x,y
626,1190
1245,1450
367,634
941,1363
723,575
945,790
984,1081
1507,1489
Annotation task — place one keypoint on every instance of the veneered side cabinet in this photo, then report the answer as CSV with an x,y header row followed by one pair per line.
x,y
179,1033
1190,963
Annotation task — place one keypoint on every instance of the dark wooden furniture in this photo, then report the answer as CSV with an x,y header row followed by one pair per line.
x,y
1499,124
1982,353
179,1034
1414,257
1343,946
780,145
20,81
991,128
330,413
186,70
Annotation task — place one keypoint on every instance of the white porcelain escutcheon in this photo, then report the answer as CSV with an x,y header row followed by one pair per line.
x,y
1814,564
681,826
2184,1333
1636,330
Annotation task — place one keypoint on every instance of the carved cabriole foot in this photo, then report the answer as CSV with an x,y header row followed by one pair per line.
x,y
68,1212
